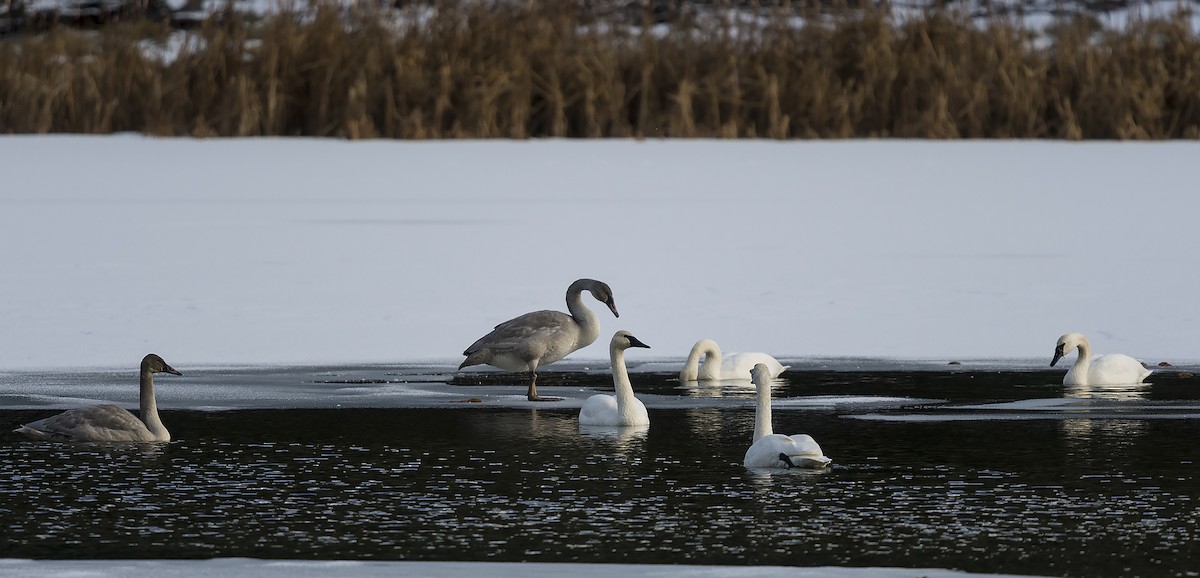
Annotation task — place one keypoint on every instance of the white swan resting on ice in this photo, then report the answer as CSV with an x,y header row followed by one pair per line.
x,y
732,366
1110,369
772,450
622,409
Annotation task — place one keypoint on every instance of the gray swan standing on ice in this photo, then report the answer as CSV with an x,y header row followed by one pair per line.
x,y
542,337
108,423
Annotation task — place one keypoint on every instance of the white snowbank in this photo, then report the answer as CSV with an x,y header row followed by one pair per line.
x,y
295,251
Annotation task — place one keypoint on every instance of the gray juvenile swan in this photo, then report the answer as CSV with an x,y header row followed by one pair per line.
x,y
621,409
542,337
108,423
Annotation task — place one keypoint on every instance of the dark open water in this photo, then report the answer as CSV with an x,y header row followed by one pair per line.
x,y
1104,486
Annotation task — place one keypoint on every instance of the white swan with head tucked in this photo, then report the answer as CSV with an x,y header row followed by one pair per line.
x,y
772,450
542,337
1110,369
622,409
732,366
109,423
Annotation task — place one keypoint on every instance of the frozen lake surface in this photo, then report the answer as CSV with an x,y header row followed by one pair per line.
x,y
304,251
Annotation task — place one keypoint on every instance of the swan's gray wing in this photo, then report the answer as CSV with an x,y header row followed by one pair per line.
x,y
97,423
528,331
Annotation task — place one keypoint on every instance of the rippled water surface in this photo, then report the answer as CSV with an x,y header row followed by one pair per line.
x,y
982,471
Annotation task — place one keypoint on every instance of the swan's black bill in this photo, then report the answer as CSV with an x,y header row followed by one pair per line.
x,y
635,342
612,306
1058,354
787,460
171,370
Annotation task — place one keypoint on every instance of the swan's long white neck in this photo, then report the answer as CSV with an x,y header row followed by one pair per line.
x,y
149,407
621,384
589,325
712,362
762,414
1083,362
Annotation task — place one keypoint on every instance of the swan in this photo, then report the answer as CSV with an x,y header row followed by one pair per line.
x,y
1110,369
542,337
772,450
108,423
732,366
622,409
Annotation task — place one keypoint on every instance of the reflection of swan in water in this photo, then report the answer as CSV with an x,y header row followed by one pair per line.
x,y
622,409
1110,369
772,450
535,339
109,423
624,436
733,366
1123,392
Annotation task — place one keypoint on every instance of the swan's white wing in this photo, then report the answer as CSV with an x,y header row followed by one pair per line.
x,y
1116,369
97,423
520,331
599,410
738,365
801,449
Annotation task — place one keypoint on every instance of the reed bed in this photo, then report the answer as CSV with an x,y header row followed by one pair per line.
x,y
551,69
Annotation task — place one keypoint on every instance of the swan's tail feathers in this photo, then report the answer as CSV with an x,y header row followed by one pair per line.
x,y
33,434
481,357
806,462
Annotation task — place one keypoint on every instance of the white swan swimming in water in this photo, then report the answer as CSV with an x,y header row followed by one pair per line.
x,y
732,366
539,338
622,409
772,450
1110,369
108,423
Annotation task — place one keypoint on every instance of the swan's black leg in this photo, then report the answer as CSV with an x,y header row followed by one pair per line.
x,y
786,460
532,394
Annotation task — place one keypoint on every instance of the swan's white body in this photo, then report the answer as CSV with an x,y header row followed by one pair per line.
x,y
539,338
769,448
732,366
108,423
1110,369
622,409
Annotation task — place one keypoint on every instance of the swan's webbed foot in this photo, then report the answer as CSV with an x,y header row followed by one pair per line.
x,y
787,460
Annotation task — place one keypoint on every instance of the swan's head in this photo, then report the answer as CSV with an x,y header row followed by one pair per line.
x,y
603,293
760,374
1066,343
156,364
625,340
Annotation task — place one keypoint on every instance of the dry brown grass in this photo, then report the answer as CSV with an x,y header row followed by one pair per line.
x,y
524,70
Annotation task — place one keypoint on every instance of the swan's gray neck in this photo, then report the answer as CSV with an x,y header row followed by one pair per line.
x,y
1083,362
589,325
762,414
621,384
149,407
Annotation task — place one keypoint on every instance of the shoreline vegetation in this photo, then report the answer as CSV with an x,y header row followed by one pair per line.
x,y
542,69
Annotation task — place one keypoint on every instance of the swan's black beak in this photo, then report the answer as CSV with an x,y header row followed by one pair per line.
x,y
785,459
171,370
612,306
1058,353
635,342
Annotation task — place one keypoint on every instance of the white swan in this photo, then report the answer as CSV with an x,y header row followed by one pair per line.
x,y
732,366
622,409
1110,369
542,337
109,423
772,450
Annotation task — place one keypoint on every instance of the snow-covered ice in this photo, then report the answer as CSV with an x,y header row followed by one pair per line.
x,y
302,251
